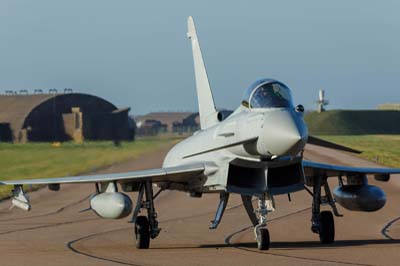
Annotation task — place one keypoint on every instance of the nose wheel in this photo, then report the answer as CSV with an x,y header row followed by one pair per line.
x,y
262,237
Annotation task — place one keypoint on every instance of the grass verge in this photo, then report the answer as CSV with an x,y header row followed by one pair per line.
x,y
38,160
384,149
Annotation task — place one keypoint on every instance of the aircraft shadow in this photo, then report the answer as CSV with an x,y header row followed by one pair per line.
x,y
336,244
298,245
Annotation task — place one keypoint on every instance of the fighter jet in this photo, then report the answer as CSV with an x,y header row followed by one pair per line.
x,y
256,152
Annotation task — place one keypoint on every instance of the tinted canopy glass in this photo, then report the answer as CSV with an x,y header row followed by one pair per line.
x,y
271,95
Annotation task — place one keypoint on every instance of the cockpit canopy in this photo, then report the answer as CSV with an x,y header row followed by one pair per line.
x,y
267,93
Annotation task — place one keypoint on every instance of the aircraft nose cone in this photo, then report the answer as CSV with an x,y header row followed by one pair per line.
x,y
284,133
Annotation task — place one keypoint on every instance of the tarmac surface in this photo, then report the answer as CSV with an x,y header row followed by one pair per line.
x,y
55,233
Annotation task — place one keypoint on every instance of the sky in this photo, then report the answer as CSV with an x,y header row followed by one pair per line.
x,y
136,53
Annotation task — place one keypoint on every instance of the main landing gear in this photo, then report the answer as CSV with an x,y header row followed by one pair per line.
x,y
146,227
322,222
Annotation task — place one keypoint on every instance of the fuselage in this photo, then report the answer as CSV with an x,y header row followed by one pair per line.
x,y
250,133
258,134
255,135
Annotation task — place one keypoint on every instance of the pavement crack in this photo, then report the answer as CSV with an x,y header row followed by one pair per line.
x,y
385,229
49,213
70,245
45,226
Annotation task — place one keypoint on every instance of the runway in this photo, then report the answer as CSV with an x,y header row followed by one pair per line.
x,y
55,233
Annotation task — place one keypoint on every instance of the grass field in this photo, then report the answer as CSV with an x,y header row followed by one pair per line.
x,y
35,160
385,149
353,122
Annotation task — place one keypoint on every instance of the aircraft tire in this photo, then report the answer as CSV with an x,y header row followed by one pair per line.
x,y
263,240
327,227
142,232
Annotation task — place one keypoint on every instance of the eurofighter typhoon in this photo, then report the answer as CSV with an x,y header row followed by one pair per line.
x,y
256,152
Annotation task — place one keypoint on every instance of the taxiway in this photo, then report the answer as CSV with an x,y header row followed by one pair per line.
x,y
55,233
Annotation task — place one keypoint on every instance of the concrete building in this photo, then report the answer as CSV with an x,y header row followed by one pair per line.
x,y
151,127
62,117
165,118
189,124
170,122
167,122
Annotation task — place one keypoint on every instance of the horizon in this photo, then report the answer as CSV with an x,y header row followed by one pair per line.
x,y
61,91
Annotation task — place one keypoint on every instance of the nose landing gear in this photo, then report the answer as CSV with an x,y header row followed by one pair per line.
x,y
258,218
261,233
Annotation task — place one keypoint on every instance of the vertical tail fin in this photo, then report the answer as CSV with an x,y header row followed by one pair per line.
x,y
207,111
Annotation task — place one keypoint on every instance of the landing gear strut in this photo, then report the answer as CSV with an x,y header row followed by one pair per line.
x,y
223,201
146,227
248,206
322,222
